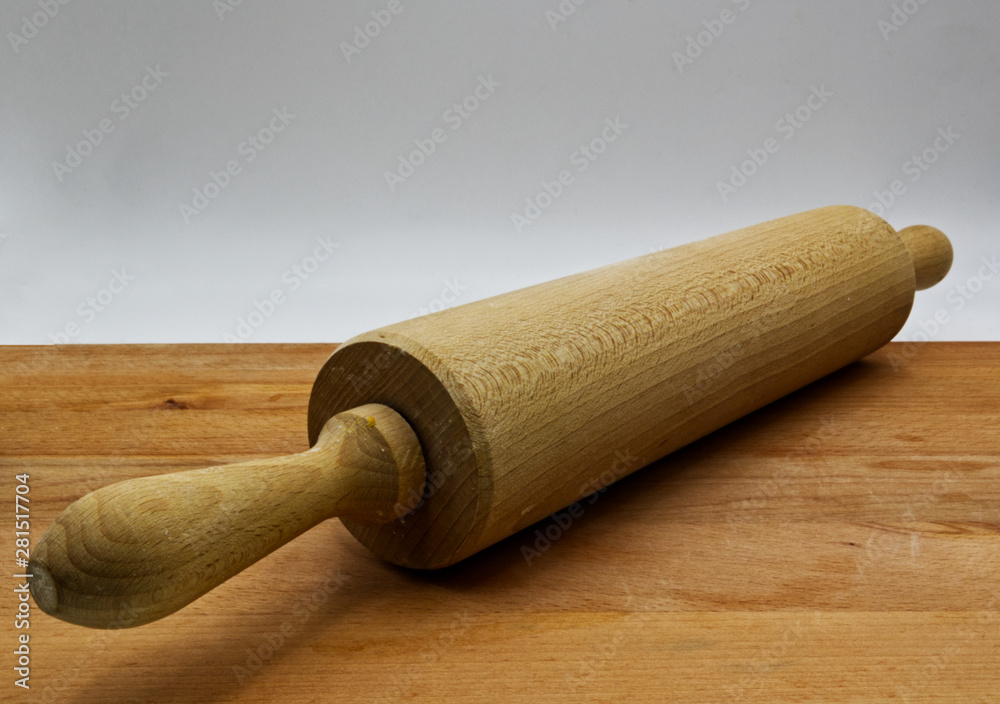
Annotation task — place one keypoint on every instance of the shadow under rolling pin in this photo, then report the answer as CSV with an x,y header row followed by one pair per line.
x,y
439,436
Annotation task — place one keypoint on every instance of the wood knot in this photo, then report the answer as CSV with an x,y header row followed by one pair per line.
x,y
172,405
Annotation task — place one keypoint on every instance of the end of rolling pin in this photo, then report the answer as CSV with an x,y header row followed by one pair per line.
x,y
43,588
140,549
931,252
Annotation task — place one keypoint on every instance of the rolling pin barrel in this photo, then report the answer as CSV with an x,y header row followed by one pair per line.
x,y
523,402
435,438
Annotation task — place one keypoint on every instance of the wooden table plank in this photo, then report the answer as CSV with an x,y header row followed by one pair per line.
x,y
839,545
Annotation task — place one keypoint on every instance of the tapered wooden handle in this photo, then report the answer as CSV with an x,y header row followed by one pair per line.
x,y
932,254
138,550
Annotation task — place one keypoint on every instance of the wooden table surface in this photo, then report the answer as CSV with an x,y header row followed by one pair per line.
x,y
840,545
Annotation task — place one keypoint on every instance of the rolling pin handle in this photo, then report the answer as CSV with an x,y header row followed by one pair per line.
x,y
932,254
138,550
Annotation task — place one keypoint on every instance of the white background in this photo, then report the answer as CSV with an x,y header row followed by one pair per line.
x,y
63,233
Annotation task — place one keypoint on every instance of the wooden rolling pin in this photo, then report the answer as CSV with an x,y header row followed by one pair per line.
x,y
437,437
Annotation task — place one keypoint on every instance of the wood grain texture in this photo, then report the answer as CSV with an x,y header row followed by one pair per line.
x,y
140,549
839,545
530,400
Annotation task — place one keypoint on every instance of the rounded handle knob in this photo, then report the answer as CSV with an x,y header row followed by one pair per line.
x,y
931,251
